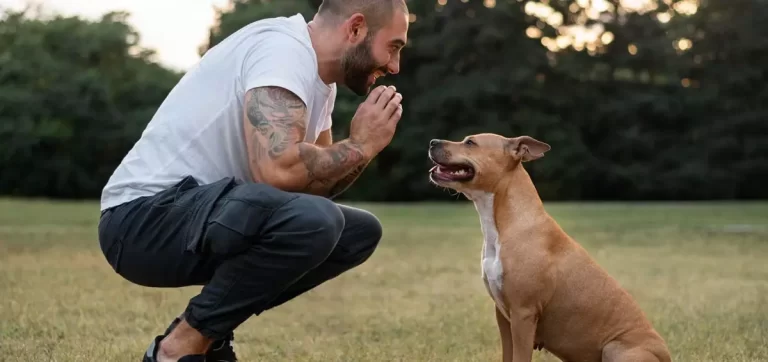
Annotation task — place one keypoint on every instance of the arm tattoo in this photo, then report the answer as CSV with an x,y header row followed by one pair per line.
x,y
278,115
324,167
347,181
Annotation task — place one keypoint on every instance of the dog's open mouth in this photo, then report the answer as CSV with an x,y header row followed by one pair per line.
x,y
457,172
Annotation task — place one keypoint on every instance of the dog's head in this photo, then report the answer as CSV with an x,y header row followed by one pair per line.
x,y
478,162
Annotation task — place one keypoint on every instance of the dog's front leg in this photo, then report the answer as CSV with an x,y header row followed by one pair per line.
x,y
523,332
505,332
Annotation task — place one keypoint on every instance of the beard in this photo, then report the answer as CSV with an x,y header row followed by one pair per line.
x,y
358,65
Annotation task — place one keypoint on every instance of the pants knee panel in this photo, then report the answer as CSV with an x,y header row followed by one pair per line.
x,y
316,214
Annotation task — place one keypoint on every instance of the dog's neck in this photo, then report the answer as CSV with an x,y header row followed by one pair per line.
x,y
514,201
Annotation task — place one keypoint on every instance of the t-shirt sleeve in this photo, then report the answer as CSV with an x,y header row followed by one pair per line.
x,y
331,104
280,61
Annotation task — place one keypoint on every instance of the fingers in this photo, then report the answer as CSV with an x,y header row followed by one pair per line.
x,y
373,97
398,113
385,97
393,104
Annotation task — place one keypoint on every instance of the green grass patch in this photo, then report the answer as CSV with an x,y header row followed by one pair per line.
x,y
699,271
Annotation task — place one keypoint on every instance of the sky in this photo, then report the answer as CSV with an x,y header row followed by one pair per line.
x,y
173,28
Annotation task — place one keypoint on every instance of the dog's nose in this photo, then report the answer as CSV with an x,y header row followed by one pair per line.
x,y
433,143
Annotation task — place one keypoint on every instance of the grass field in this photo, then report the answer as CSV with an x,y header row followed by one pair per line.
x,y
700,271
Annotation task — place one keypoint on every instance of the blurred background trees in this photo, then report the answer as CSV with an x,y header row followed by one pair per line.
x,y
639,99
74,97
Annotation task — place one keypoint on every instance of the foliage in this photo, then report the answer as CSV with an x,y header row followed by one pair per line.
x,y
74,96
663,102
630,115
243,12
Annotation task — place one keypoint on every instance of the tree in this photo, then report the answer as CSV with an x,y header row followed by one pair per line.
x,y
74,97
630,110
664,101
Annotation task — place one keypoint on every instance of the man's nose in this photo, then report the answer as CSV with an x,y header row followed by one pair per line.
x,y
393,67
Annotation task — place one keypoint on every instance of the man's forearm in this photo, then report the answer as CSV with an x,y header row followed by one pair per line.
x,y
345,182
306,167
330,170
274,129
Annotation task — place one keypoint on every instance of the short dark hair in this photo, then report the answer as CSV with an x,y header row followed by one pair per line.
x,y
377,12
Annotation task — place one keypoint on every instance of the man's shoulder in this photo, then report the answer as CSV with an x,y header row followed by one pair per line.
x,y
279,53
278,32
282,41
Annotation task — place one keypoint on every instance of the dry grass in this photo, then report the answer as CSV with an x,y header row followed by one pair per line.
x,y
702,279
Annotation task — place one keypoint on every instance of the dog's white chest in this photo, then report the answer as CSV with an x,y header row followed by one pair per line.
x,y
490,258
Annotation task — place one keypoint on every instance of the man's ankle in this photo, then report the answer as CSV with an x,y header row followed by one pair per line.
x,y
182,341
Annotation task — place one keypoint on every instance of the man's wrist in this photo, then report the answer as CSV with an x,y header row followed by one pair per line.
x,y
366,150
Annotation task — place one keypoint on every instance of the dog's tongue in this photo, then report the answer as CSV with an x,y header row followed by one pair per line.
x,y
448,168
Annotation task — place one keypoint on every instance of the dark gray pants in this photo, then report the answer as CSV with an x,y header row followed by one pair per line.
x,y
251,246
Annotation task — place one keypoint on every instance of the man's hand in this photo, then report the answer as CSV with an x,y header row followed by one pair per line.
x,y
375,121
275,128
370,120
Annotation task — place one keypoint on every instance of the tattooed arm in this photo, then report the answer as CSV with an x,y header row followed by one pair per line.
x,y
274,133
343,184
326,139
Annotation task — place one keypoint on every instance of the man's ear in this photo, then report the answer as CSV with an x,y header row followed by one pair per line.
x,y
357,28
527,148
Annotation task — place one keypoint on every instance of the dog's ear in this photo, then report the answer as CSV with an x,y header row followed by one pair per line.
x,y
527,148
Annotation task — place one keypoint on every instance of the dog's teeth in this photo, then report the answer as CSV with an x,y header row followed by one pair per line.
x,y
454,172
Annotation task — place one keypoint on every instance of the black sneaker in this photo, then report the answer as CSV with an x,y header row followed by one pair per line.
x,y
151,354
220,351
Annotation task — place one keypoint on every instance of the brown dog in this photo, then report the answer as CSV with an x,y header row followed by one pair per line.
x,y
549,293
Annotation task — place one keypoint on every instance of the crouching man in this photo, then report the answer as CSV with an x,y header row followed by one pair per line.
x,y
230,185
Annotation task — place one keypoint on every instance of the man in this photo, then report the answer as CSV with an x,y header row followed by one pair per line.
x,y
230,185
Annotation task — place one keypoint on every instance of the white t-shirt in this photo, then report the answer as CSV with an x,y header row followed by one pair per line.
x,y
198,130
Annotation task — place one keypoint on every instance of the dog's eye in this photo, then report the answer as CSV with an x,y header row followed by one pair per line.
x,y
470,142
